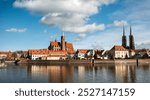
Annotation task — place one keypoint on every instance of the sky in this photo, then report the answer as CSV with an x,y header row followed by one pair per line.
x,y
88,24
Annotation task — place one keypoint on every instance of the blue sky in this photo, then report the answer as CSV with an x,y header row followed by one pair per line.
x,y
90,24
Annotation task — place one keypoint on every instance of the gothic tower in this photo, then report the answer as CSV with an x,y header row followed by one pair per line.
x,y
124,41
63,42
131,40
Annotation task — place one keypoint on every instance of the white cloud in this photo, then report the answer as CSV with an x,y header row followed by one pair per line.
x,y
133,14
68,15
77,39
143,45
16,30
103,40
138,16
80,37
96,45
120,23
73,16
85,29
53,37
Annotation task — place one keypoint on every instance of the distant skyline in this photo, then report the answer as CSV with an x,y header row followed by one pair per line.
x,y
88,24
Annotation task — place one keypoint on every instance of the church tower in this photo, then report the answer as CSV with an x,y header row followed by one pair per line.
x,y
124,41
131,40
63,42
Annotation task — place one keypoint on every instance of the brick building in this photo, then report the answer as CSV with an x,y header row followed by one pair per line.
x,y
63,45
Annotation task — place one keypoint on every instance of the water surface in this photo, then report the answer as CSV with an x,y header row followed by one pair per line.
x,y
101,73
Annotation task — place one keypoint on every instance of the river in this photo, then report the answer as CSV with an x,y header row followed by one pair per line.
x,y
100,73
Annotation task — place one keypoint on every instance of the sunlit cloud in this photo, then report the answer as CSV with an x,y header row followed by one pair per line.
x,y
69,15
16,30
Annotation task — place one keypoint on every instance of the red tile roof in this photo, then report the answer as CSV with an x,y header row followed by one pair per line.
x,y
47,52
57,53
69,45
119,48
82,50
70,52
69,48
5,52
54,43
41,51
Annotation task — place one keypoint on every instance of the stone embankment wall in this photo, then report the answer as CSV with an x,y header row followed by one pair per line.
x,y
140,61
132,61
59,61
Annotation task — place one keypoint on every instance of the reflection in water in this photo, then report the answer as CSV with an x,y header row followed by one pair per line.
x,y
2,65
112,73
52,73
125,73
60,74
80,73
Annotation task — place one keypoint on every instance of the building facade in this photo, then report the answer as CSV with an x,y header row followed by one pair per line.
x,y
63,45
56,51
40,54
57,55
3,55
6,55
45,54
119,52
81,54
101,54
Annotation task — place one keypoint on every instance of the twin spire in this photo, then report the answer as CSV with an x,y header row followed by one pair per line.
x,y
124,30
131,40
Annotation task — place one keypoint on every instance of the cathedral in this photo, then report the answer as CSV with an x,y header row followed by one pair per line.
x,y
61,46
131,40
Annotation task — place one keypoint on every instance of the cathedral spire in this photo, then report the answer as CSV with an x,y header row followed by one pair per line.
x,y
63,42
131,40
124,41
123,31
130,30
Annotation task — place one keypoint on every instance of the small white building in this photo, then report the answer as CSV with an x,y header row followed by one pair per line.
x,y
105,54
143,53
119,52
38,54
102,54
90,54
81,53
44,54
132,53
57,55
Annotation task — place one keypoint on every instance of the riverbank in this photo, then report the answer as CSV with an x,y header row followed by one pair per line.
x,y
58,62
128,61
7,62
